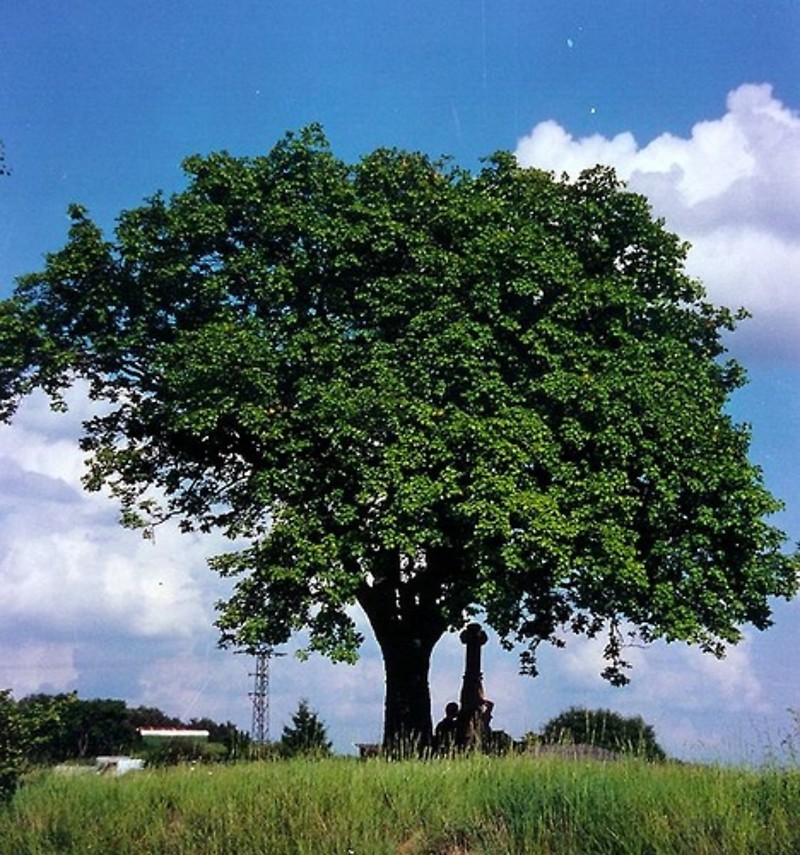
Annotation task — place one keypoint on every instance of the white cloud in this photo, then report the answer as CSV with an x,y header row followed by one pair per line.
x,y
37,666
68,565
196,682
657,669
732,189
78,588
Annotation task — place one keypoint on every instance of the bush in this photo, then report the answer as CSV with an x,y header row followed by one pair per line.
x,y
23,731
604,729
174,751
12,745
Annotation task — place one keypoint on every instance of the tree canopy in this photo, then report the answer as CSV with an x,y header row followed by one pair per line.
x,y
64,727
429,391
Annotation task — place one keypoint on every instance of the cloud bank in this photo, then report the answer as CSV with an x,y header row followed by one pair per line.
x,y
86,604
732,189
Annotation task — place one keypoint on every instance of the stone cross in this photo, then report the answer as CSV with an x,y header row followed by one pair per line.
x,y
473,637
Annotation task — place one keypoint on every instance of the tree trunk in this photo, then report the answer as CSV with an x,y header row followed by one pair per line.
x,y
407,626
407,723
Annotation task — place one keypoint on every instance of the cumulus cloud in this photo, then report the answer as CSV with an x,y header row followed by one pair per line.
x,y
731,188
78,589
31,666
64,558
656,669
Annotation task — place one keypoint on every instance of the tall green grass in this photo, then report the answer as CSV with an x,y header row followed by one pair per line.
x,y
470,805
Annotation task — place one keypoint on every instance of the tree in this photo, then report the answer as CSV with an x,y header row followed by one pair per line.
x,y
604,729
235,741
65,727
81,728
13,742
142,716
23,731
306,735
48,722
429,392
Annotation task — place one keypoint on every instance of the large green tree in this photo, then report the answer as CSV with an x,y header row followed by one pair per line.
x,y
423,390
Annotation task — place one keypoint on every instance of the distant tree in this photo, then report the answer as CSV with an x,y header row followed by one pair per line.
x,y
426,391
228,734
99,726
306,734
13,743
151,717
604,729
81,728
64,727
24,734
48,720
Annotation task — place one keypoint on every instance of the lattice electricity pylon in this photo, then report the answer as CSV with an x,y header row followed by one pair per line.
x,y
259,731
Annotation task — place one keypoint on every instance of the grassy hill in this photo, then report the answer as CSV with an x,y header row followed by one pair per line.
x,y
525,804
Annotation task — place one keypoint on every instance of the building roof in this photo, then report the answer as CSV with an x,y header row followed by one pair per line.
x,y
174,732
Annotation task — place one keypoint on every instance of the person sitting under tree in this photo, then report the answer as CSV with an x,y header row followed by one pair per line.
x,y
444,736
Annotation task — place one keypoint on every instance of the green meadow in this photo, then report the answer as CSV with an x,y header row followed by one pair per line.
x,y
479,804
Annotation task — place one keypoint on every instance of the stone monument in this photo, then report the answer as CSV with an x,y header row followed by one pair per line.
x,y
472,724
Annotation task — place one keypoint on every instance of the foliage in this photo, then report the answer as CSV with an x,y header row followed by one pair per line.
x,y
83,728
13,738
604,729
142,716
236,742
174,751
65,727
426,391
476,805
23,733
306,735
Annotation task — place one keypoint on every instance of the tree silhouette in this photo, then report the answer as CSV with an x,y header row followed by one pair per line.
x,y
604,729
306,734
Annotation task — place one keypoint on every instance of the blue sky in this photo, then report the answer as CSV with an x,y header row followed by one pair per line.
x,y
695,102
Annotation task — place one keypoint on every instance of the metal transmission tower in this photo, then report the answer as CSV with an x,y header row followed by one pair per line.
x,y
259,731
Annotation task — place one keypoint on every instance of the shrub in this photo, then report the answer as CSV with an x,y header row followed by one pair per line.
x,y
12,745
174,751
23,732
604,729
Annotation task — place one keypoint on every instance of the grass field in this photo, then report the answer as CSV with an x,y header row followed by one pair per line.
x,y
467,805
